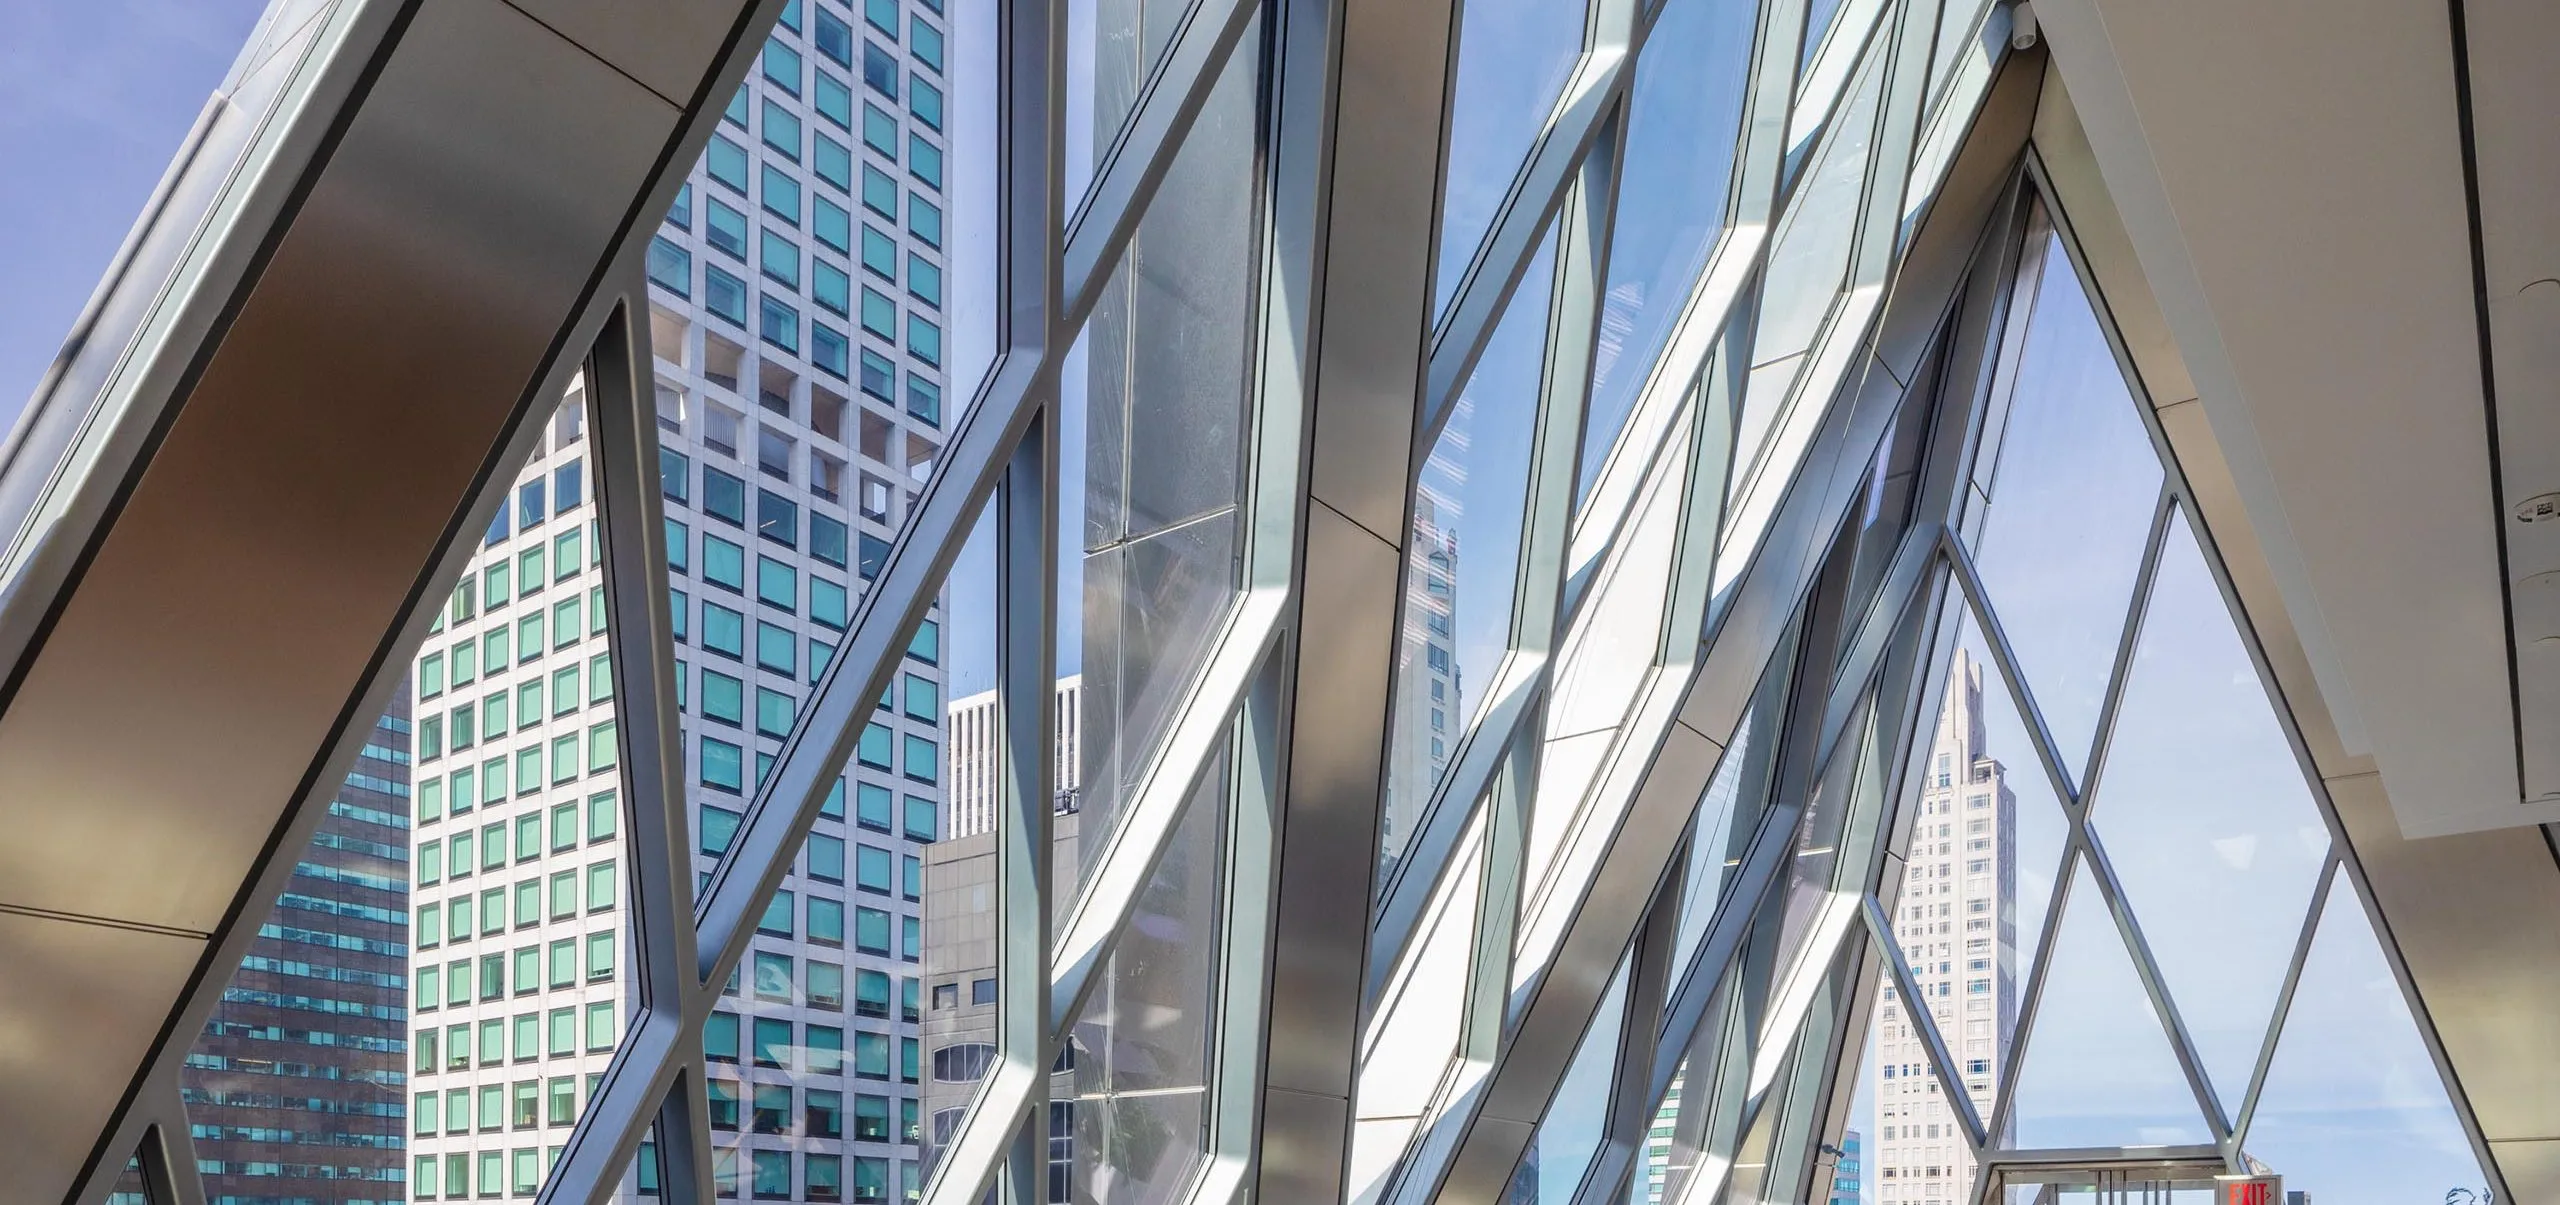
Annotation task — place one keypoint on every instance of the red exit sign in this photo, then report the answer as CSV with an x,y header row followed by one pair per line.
x,y
2249,1190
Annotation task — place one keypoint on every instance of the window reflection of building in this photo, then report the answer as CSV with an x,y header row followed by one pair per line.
x,y
1954,924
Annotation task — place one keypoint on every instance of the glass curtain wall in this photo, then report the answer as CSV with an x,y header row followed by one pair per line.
x,y
1820,758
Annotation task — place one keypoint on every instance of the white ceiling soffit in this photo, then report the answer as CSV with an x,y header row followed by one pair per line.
x,y
2291,175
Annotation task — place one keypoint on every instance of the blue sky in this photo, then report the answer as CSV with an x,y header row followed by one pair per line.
x,y
94,98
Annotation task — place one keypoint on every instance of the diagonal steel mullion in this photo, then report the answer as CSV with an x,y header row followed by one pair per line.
x,y
2004,658
1734,267
1163,797
2284,1004
2154,984
1594,93
1628,1111
2031,1000
170,1173
1127,177
621,404
1573,332
2128,642
1027,508
1942,1061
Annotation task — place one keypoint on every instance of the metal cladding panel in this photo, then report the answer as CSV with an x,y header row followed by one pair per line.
x,y
227,614
78,1002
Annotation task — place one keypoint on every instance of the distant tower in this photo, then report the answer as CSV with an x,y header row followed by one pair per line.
x,y
1956,922
1430,705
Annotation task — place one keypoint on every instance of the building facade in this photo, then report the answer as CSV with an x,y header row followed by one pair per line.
x,y
797,320
1956,920
1430,698
297,1091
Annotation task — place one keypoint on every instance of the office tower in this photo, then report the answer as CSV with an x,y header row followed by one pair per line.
x,y
297,1089
971,791
797,324
1845,1169
1953,923
1430,700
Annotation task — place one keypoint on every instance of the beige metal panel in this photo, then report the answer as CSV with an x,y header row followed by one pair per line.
x,y
176,705
2470,915
2514,93
664,44
74,998
2532,1168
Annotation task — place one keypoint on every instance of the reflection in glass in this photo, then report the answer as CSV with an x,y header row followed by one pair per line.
x,y
1686,110
1513,59
2071,506
1155,416
1112,47
1559,1154
1462,560
2207,818
1417,1029
2353,1107
1140,1048
2098,1067
302,1076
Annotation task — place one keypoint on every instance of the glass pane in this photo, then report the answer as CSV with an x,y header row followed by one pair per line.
x,y
2098,1069
1559,1153
1463,560
1686,109
1728,817
1418,1027
129,1187
960,990
2376,1125
2205,814
303,1075
1154,433
1513,59
1989,835
1909,1134
1855,1151
1807,263
1141,1044
2071,506
1112,46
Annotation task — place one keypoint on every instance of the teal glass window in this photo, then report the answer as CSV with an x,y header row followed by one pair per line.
x,y
781,131
724,296
724,631
879,254
724,564
829,287
777,584
880,131
879,317
723,698
776,648
830,224
924,220
924,280
781,194
725,161
782,66
774,711
832,161
827,602
828,349
924,161
925,43
879,195
778,323
924,101
924,339
833,100
725,229
670,267
780,259
722,766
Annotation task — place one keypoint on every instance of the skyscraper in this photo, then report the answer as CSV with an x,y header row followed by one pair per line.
x,y
1430,702
1953,922
797,323
296,1090
1846,1170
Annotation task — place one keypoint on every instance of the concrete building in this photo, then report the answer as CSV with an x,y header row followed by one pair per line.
x,y
797,321
970,788
1955,922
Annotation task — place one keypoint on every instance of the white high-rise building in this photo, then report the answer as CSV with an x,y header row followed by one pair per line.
x,y
1430,702
798,326
970,790
1955,924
